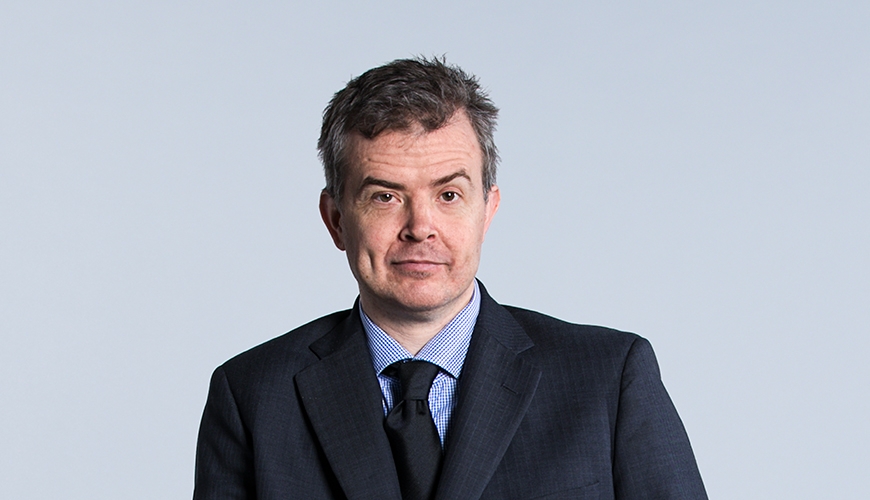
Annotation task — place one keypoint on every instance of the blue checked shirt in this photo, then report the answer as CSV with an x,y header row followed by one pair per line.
x,y
446,349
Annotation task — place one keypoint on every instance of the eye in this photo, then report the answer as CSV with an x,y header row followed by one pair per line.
x,y
384,197
449,196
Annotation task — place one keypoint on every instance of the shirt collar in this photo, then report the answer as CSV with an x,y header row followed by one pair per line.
x,y
446,349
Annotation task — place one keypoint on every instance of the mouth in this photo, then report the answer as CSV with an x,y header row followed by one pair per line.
x,y
417,267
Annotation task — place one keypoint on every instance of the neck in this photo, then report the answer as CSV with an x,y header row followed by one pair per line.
x,y
413,329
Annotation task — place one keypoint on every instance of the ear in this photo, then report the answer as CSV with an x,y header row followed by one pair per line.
x,y
491,208
331,215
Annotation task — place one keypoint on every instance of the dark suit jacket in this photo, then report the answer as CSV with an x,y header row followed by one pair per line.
x,y
545,409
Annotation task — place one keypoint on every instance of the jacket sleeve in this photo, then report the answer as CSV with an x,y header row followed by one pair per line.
x,y
652,456
224,460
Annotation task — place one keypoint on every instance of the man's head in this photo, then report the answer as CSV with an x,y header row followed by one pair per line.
x,y
400,96
410,198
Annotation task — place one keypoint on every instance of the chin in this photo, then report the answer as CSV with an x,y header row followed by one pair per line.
x,y
422,305
421,297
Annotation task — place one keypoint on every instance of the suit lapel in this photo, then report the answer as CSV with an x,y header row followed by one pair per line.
x,y
342,398
495,389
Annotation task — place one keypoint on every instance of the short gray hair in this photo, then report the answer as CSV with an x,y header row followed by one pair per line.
x,y
396,97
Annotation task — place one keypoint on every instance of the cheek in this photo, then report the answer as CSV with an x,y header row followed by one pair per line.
x,y
465,243
371,239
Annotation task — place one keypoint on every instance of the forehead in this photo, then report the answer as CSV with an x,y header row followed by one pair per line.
x,y
417,151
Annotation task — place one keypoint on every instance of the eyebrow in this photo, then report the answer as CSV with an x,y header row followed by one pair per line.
x,y
374,181
447,178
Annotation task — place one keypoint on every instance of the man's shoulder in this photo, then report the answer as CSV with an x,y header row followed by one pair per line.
x,y
561,347
549,333
290,350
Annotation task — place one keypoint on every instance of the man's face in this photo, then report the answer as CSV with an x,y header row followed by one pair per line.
x,y
413,218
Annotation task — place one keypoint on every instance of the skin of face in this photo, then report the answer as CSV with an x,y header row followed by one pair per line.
x,y
412,221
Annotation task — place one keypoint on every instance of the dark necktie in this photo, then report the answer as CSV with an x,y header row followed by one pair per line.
x,y
411,431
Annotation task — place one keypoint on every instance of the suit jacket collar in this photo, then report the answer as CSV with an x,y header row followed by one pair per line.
x,y
494,392
342,398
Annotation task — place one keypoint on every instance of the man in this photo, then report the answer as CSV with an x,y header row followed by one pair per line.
x,y
495,403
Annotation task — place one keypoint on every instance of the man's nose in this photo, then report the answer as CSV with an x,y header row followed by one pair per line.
x,y
420,222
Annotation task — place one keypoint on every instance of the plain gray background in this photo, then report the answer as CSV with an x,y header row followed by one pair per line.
x,y
697,174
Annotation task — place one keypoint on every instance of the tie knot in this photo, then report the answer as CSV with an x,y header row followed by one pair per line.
x,y
415,378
